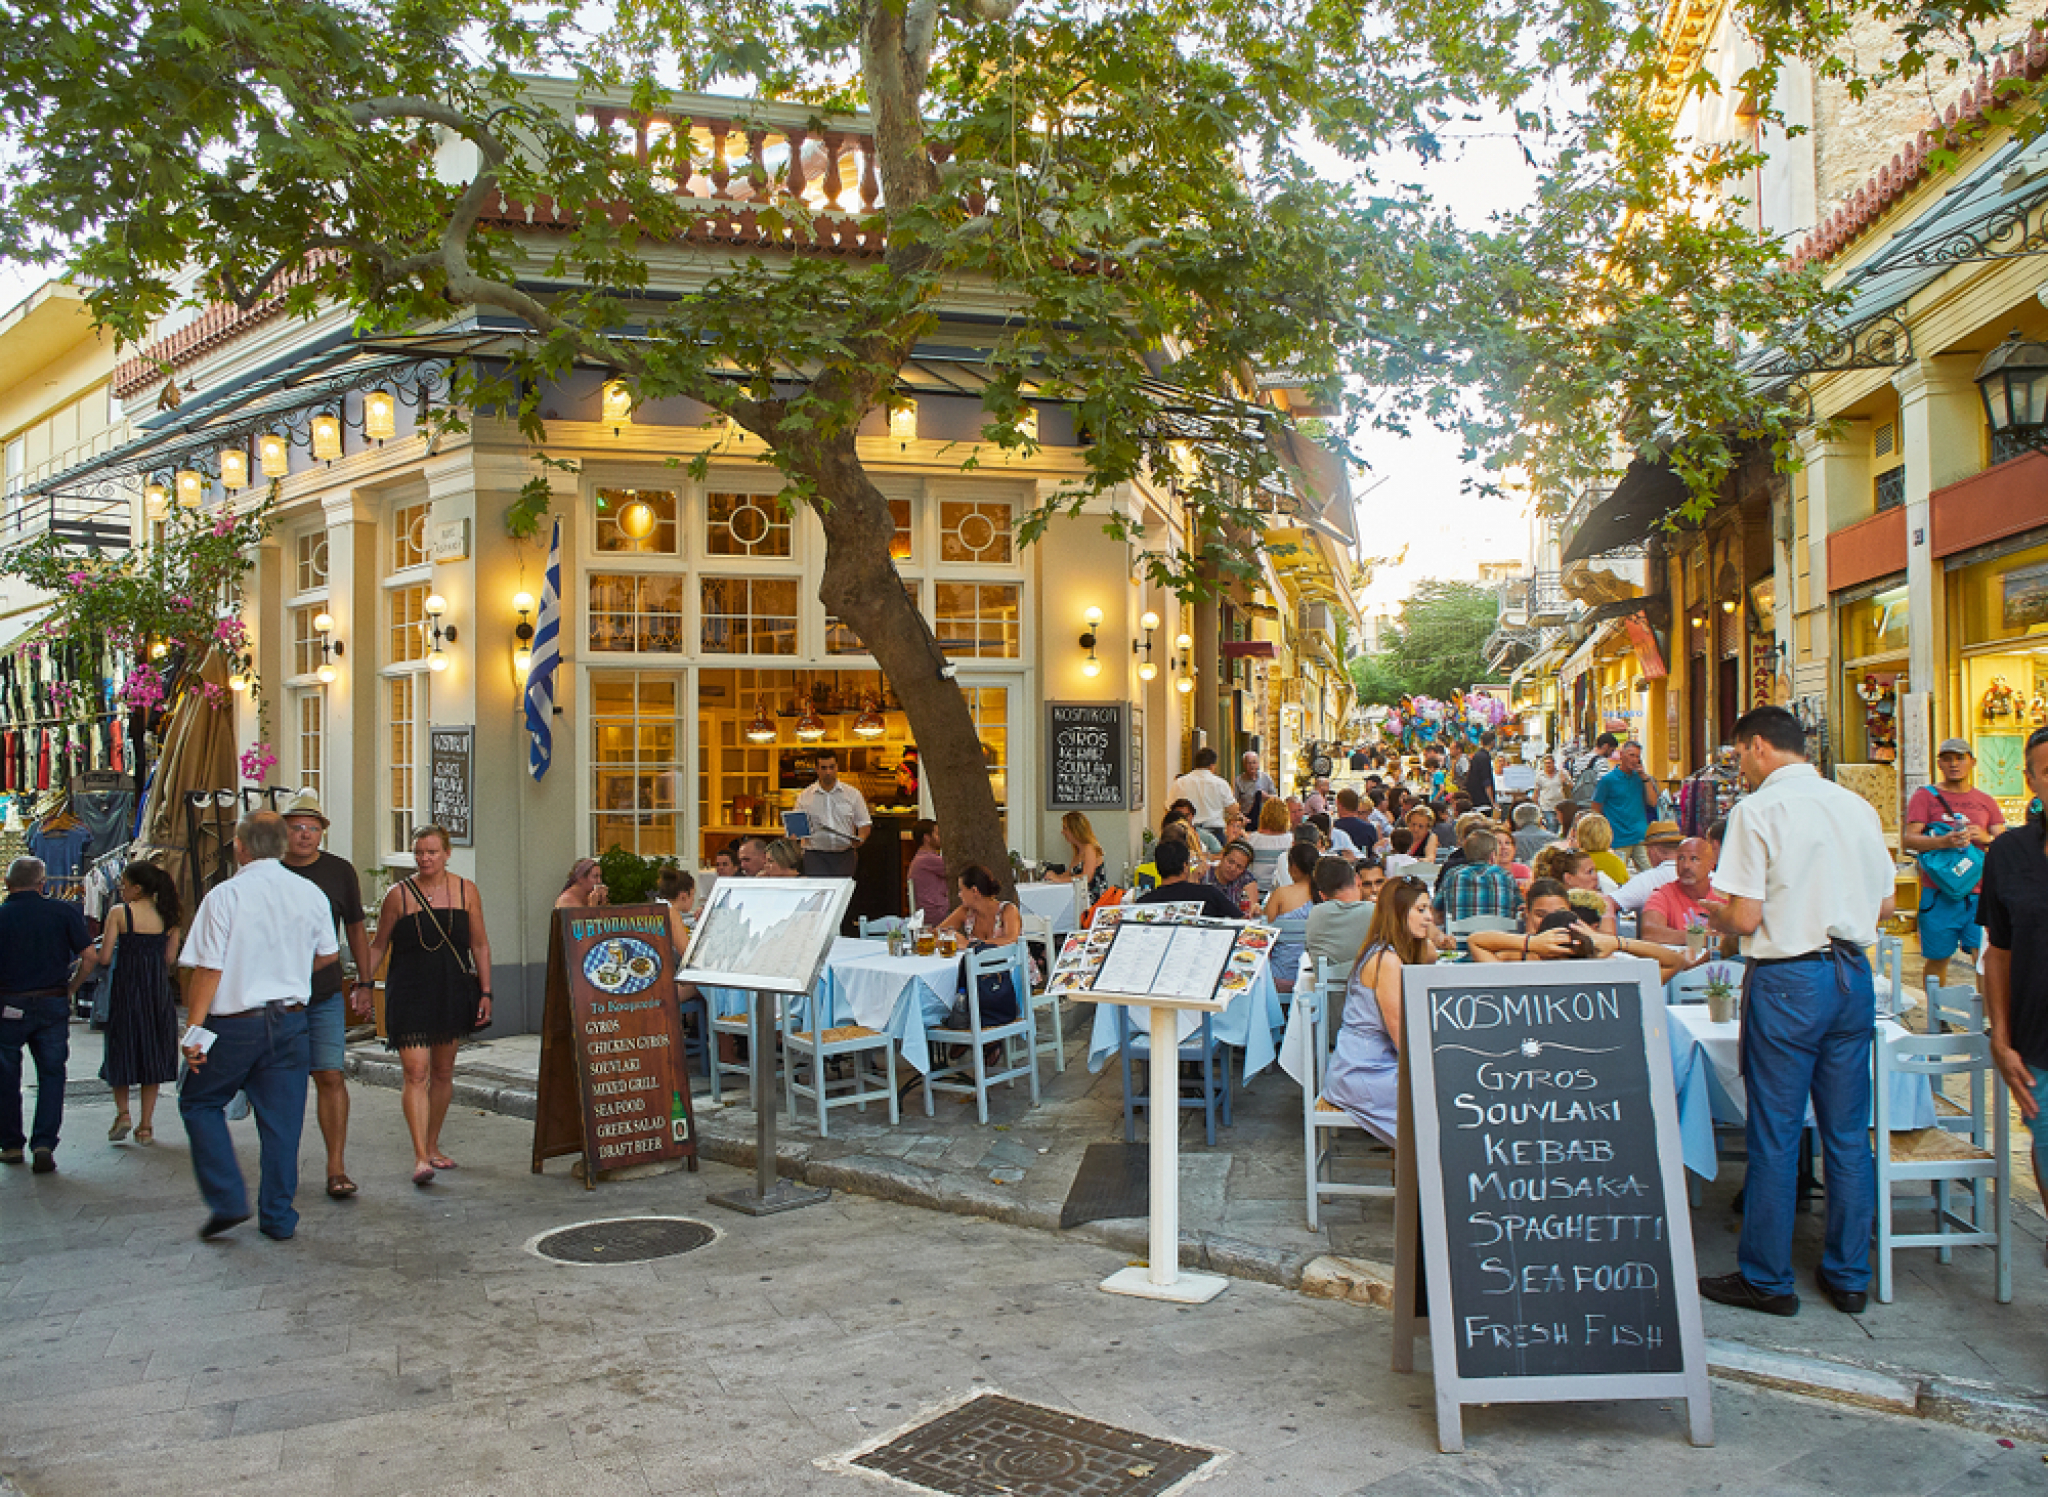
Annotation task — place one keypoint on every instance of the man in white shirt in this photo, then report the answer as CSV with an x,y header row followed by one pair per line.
x,y
1660,845
1204,789
1807,878
254,945
839,819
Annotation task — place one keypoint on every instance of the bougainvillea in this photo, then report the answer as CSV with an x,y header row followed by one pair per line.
x,y
258,760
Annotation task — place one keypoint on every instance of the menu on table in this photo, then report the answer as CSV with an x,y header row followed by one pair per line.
x,y
1166,961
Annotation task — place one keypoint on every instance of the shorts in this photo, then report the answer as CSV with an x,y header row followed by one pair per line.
x,y
1946,923
2039,1125
327,1031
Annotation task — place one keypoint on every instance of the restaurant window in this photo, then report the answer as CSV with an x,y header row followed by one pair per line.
x,y
977,530
312,739
1999,619
402,725
978,618
635,611
903,544
621,512
749,615
408,629
636,762
409,537
747,525
311,558
305,640
990,708
839,636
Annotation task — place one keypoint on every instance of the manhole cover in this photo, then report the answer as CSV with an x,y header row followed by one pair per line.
x,y
997,1446
625,1239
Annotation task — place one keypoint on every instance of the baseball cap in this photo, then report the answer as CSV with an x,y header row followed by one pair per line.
x,y
1955,746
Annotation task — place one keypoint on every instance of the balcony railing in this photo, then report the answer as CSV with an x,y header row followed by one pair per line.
x,y
95,524
1548,601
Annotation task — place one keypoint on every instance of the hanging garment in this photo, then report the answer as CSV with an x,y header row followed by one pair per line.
x,y
42,758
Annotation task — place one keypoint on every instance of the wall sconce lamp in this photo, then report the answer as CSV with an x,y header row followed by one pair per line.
x,y
522,634
274,454
242,674
1148,622
327,438
903,421
438,634
330,648
618,405
1091,666
1183,665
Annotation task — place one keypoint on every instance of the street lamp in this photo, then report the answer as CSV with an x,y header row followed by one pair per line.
x,y
2013,379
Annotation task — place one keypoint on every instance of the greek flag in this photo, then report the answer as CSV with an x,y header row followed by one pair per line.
x,y
540,676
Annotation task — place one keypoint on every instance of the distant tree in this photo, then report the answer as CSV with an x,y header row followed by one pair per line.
x,y
1439,647
1376,680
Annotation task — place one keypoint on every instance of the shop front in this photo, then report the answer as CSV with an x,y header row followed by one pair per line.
x,y
1872,638
1998,617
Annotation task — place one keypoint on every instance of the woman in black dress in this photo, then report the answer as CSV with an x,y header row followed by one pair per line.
x,y
140,937
437,990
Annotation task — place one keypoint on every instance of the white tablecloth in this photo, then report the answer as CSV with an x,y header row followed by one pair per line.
x,y
1053,901
1248,1022
1706,1066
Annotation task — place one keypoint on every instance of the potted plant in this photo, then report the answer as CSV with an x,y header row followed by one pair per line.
x,y
1720,993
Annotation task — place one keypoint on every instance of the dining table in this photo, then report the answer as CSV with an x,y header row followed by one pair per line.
x,y
1706,1069
1249,1022
1053,902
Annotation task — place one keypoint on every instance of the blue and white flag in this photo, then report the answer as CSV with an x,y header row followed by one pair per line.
x,y
540,676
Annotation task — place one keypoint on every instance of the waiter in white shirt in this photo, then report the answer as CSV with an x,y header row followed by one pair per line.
x,y
254,945
1204,789
1806,877
839,822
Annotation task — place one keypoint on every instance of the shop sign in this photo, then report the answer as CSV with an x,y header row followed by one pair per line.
x,y
451,783
1086,751
1540,1158
450,540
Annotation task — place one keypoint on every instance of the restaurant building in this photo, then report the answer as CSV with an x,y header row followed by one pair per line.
x,y
700,676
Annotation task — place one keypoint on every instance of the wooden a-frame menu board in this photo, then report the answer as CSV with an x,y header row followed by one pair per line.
x,y
614,1081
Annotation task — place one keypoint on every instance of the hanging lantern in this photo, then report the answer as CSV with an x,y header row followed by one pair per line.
x,y
234,468
762,728
191,487
869,724
618,404
380,416
810,727
274,454
156,498
1027,423
327,438
903,421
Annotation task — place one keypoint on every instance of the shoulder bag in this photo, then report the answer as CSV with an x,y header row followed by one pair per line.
x,y
465,959
1955,871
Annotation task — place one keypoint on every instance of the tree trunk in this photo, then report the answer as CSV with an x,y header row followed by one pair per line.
x,y
863,588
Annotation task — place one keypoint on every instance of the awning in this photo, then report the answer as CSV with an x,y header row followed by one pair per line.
x,y
1250,649
1647,493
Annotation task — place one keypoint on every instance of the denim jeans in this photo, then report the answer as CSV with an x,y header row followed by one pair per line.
x,y
1806,1032
45,1027
264,1054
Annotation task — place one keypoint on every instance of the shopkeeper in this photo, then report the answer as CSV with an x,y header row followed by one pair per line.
x,y
839,820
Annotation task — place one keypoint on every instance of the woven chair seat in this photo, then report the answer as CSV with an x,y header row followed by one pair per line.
x,y
842,1033
1928,1145
1943,1107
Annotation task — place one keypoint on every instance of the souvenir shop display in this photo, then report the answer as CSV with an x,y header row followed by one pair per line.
x,y
2001,704
1880,699
1708,794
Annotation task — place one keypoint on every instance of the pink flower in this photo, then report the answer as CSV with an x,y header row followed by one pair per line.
x,y
75,578
214,693
181,603
258,759
225,524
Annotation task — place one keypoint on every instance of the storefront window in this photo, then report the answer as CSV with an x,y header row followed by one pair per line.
x,y
636,612
978,618
749,615
402,695
2000,616
902,547
990,706
747,525
408,625
305,641
636,760
620,512
409,537
977,530
311,559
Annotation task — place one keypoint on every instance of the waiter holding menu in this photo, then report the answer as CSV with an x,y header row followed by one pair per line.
x,y
839,822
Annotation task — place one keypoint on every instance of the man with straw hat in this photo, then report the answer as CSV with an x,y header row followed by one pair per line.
x,y
326,1013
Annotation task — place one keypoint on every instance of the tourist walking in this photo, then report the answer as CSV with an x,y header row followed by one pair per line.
x,y
38,938
327,1012
437,990
254,944
1627,798
1950,817
139,941
1807,877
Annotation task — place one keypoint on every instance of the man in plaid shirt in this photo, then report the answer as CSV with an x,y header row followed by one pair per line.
x,y
1477,886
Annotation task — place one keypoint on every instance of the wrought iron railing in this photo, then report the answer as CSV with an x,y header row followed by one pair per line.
x,y
97,524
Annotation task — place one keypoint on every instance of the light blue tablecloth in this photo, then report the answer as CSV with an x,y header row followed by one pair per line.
x,y
1250,1022
1706,1069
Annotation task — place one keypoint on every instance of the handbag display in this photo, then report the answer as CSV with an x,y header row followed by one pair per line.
x,y
1955,871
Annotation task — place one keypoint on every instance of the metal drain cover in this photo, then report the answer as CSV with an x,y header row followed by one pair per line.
x,y
997,1446
625,1239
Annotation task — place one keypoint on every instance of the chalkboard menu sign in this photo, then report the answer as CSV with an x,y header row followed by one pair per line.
x,y
614,1082
1555,1232
1085,749
451,782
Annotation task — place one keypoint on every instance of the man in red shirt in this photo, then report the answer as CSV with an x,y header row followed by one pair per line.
x,y
1682,903
1950,814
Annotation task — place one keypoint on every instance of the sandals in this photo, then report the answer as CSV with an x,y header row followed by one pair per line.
x,y
423,1176
145,1134
121,1129
340,1187
442,1162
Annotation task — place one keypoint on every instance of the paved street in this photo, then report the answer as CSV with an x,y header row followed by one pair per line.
x,y
408,1342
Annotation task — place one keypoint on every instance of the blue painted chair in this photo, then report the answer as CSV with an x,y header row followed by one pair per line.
x,y
1201,1048
1321,1120
813,1048
969,1073
697,1043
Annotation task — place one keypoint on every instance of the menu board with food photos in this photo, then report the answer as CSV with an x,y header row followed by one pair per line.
x,y
1162,951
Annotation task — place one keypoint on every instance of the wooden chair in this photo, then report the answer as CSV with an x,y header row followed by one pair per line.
x,y
821,1047
971,1075
1320,1120
1967,1145
1461,930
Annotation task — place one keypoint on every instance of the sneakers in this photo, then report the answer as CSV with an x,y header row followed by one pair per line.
x,y
1734,1289
46,1162
11,1156
1848,1301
